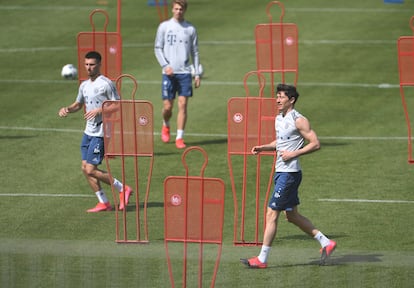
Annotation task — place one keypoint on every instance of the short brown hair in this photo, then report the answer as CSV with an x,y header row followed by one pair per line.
x,y
182,3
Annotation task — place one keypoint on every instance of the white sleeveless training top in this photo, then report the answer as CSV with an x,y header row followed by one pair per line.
x,y
288,138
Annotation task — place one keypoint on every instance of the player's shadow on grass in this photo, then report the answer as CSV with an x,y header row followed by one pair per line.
x,y
336,261
355,258
306,237
336,258
350,258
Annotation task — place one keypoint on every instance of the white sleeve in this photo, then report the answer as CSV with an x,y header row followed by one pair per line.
x,y
159,46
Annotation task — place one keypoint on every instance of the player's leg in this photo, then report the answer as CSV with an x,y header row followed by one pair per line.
x,y
185,91
103,202
276,204
303,223
92,155
327,245
124,190
87,153
260,261
182,114
94,176
92,173
166,116
167,111
92,150
272,217
168,95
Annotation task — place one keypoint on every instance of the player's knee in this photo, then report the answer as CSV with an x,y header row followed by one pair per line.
x,y
271,215
88,170
291,217
167,108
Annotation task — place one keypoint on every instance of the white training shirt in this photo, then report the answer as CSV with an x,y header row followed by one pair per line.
x,y
288,139
92,94
175,42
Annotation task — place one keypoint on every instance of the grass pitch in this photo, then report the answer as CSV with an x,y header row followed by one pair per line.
x,y
357,189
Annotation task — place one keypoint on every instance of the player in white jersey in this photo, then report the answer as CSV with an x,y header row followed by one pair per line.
x,y
92,93
176,41
292,130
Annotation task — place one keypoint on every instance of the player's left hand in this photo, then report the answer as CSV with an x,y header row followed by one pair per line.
x,y
63,112
286,155
197,81
91,114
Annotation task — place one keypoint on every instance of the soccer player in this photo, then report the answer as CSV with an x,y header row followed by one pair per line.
x,y
92,93
292,130
175,42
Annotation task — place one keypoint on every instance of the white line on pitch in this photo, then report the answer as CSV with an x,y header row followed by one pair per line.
x,y
366,201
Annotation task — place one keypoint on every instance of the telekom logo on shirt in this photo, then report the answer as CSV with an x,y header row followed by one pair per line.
x,y
171,39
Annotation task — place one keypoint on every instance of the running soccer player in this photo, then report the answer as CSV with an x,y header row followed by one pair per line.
x,y
292,130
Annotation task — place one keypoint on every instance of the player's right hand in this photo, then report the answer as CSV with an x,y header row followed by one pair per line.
x,y
169,71
256,150
63,112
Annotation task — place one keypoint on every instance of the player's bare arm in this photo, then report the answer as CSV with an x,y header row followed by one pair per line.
x,y
267,147
64,111
92,113
305,129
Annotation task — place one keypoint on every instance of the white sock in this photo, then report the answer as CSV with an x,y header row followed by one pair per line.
x,y
180,134
264,253
323,240
166,123
101,196
118,185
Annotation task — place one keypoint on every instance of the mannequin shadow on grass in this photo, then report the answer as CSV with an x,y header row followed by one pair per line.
x,y
206,142
16,137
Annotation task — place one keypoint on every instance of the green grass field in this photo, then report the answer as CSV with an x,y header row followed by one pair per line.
x,y
358,189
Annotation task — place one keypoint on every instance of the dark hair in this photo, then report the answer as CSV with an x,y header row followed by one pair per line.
x,y
94,55
289,90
